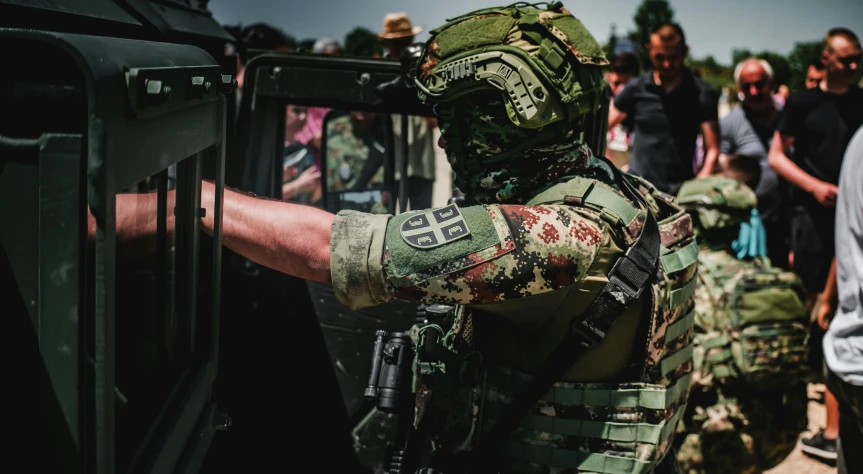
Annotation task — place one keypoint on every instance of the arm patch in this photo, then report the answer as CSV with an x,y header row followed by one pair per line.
x,y
452,239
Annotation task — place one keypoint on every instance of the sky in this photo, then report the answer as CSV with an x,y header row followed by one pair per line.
x,y
712,27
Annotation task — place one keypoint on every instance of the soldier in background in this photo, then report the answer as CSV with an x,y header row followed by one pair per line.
x,y
355,152
748,400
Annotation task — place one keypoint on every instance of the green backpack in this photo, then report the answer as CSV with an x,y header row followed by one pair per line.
x,y
752,323
758,331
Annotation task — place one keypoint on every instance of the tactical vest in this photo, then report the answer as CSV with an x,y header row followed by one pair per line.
x,y
621,425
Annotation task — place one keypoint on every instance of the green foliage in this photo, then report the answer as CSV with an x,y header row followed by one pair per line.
x,y
801,55
715,74
361,42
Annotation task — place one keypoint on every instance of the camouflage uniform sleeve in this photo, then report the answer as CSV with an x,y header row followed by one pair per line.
x,y
356,255
507,252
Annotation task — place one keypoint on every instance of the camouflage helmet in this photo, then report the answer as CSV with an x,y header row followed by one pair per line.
x,y
717,202
544,62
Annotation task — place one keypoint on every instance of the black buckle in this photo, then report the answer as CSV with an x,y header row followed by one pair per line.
x,y
590,334
631,273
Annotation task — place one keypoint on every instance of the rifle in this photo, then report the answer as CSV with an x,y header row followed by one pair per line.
x,y
390,387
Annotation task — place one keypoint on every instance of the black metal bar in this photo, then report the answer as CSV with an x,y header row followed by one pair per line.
x,y
193,248
60,268
104,317
183,213
338,83
403,169
163,303
279,153
325,138
390,163
217,242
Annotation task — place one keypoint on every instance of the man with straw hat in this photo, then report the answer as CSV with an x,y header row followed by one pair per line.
x,y
398,33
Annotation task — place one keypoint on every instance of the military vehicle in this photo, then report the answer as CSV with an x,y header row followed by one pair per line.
x,y
171,354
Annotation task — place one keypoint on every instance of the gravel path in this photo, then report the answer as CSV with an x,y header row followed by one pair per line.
x,y
797,461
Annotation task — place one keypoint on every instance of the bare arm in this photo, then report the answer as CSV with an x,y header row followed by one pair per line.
x,y
824,192
615,116
290,238
829,298
710,136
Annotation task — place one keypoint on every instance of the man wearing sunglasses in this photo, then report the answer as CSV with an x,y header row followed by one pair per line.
x,y
819,123
747,130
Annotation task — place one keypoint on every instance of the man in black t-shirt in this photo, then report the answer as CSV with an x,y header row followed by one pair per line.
x,y
819,123
669,107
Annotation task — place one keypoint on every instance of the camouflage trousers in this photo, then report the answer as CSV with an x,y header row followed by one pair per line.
x,y
745,434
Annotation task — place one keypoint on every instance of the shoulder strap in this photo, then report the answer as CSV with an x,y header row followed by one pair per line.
x,y
628,278
592,194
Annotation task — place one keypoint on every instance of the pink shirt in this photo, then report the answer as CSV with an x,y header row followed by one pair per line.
x,y
314,125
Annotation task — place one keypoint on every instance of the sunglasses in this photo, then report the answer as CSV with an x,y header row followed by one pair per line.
x,y
851,60
758,84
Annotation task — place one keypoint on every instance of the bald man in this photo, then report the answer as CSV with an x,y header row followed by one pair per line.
x,y
669,108
748,130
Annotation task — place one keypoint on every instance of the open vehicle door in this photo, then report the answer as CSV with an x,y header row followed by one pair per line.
x,y
357,161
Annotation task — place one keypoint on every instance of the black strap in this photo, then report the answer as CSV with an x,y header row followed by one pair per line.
x,y
628,278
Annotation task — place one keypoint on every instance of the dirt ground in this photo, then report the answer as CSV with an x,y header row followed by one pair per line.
x,y
798,462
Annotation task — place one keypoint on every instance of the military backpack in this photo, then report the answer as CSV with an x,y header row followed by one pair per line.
x,y
751,317
759,331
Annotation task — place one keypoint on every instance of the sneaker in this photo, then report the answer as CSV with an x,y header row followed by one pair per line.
x,y
819,446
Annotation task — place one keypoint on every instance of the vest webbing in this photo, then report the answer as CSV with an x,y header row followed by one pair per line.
x,y
675,261
649,404
590,193
641,400
654,407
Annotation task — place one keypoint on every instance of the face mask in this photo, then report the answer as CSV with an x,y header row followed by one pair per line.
x,y
496,162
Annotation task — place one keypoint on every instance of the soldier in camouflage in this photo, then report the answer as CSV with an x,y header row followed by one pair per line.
x,y
747,404
354,151
513,88
525,263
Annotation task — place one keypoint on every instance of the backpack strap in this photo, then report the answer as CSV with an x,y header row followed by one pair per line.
x,y
628,278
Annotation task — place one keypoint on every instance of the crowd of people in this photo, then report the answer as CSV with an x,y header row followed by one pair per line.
x,y
790,150
787,167
304,125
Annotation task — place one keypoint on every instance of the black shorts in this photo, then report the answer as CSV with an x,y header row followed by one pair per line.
x,y
813,243
816,353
